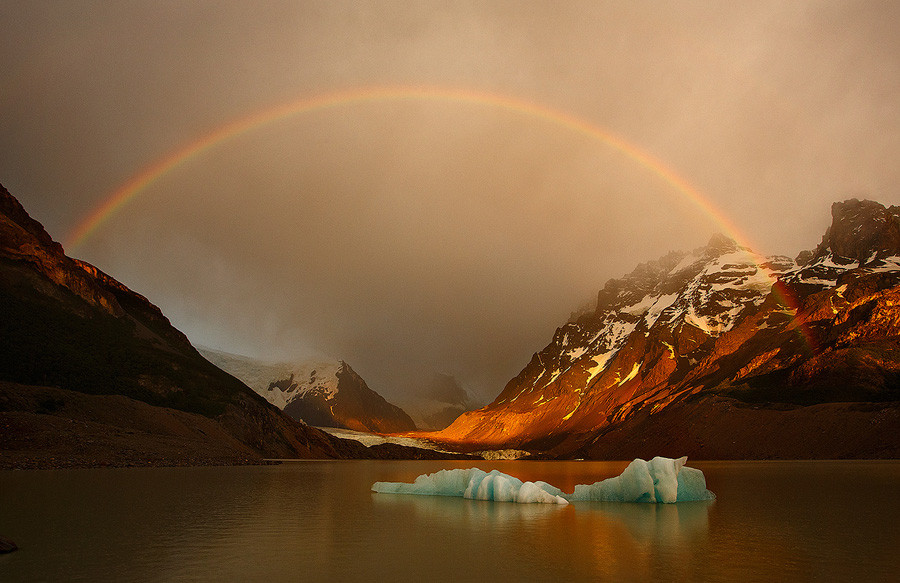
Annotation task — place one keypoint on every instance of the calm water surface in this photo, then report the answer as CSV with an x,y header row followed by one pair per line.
x,y
318,521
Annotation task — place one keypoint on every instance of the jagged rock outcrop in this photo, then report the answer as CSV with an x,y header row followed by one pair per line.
x,y
861,230
325,394
718,322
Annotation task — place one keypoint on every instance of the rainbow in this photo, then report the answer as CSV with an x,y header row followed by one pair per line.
x,y
332,100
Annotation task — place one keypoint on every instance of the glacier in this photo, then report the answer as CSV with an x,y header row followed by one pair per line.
x,y
661,481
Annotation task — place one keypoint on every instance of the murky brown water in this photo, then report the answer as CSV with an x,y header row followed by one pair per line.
x,y
318,521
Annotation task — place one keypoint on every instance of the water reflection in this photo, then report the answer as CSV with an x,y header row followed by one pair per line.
x,y
663,523
319,521
618,541
644,522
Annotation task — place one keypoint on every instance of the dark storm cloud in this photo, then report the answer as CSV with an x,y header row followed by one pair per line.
x,y
410,237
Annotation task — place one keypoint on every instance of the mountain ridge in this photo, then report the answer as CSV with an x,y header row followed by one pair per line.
x,y
720,320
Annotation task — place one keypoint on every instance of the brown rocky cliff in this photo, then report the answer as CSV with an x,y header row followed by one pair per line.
x,y
861,230
23,239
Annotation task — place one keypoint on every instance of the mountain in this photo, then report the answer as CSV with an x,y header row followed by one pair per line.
x,y
438,402
92,373
721,353
326,394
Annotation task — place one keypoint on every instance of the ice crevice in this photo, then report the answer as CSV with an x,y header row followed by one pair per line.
x,y
660,480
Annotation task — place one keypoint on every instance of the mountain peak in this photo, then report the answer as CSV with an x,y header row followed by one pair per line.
x,y
330,393
719,244
861,230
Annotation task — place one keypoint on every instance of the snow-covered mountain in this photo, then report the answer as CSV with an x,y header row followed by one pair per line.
x,y
720,320
326,394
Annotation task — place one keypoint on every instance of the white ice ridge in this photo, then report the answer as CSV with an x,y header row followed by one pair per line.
x,y
661,480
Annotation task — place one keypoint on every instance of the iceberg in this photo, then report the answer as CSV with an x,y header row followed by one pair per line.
x,y
476,484
659,481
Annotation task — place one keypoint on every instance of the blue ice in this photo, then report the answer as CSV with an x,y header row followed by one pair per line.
x,y
661,480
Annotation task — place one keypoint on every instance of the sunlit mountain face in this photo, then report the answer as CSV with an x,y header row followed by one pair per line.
x,y
681,342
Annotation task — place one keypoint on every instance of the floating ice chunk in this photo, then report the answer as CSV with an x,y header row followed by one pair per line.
x,y
692,486
442,483
661,480
635,484
476,484
665,477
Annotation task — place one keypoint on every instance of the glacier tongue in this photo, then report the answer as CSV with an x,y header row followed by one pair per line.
x,y
661,480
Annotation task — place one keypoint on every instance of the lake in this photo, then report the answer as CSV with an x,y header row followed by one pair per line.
x,y
319,521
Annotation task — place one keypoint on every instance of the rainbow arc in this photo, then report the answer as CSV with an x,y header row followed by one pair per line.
x,y
332,100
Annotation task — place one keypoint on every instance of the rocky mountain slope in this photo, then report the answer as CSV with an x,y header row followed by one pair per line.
x,y
326,394
722,329
92,373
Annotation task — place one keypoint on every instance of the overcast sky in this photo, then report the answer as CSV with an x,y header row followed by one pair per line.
x,y
407,237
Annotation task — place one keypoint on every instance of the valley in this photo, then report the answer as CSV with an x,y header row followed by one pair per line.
x,y
717,353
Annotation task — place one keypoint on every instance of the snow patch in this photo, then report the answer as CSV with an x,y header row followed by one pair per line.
x,y
658,307
298,379
572,412
819,281
685,263
671,350
602,360
576,353
889,264
632,374
641,307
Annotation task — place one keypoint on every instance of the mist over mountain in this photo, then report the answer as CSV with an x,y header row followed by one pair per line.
x,y
438,401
